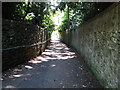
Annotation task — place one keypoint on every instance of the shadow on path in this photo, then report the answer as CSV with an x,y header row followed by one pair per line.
x,y
57,67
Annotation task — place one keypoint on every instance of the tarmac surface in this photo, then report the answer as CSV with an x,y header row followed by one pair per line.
x,y
58,67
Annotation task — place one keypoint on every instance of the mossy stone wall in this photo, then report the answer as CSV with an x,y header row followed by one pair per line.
x,y
97,41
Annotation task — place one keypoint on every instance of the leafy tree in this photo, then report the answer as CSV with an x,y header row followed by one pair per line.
x,y
77,13
48,22
31,12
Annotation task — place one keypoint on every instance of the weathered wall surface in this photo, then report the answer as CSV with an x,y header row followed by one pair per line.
x,y
21,42
97,41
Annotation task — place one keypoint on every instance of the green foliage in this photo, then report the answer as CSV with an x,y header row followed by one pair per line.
x,y
30,11
30,16
48,22
40,13
77,13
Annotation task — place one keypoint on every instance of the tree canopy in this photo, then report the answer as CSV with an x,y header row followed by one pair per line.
x,y
38,13
75,13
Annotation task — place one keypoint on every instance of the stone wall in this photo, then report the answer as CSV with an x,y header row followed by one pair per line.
x,y
97,41
21,42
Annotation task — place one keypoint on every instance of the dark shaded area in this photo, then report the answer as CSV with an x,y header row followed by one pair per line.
x,y
97,8
8,9
21,42
18,11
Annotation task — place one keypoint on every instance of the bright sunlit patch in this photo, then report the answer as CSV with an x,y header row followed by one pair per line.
x,y
16,70
59,48
18,75
10,76
28,67
37,60
57,19
42,59
55,53
9,86
65,57
55,36
67,49
53,4
34,61
47,50
53,65
60,57
1,79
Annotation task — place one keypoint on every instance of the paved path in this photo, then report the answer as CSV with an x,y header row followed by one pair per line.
x,y
58,67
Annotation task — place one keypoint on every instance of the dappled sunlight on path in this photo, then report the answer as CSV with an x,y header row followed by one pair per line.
x,y
56,51
57,67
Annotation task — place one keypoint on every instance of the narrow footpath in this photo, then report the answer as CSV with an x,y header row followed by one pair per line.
x,y
57,67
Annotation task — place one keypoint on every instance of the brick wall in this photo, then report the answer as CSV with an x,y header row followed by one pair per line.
x,y
21,42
